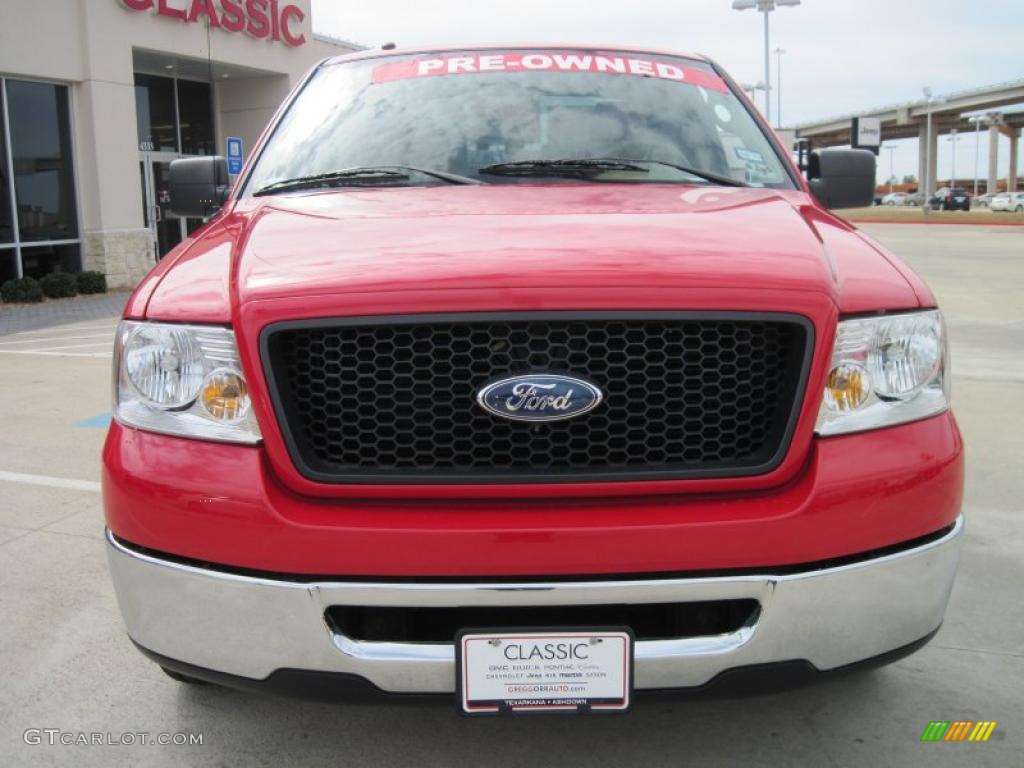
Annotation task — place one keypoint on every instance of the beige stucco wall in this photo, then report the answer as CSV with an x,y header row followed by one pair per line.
x,y
244,107
88,44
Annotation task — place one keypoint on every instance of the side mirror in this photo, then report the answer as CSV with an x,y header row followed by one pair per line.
x,y
198,186
842,178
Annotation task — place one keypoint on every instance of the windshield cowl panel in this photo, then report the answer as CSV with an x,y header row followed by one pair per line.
x,y
458,113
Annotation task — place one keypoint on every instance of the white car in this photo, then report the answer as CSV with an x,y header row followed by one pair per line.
x,y
1008,201
894,198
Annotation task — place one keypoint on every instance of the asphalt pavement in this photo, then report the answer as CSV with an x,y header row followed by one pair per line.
x,y
69,668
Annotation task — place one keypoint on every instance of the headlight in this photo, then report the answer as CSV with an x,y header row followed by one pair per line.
x,y
182,380
885,370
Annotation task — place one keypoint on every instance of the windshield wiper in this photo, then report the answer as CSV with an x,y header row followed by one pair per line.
x,y
573,168
366,175
726,181
592,166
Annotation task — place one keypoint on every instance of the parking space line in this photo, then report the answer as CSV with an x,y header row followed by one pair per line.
x,y
47,339
54,354
49,482
61,347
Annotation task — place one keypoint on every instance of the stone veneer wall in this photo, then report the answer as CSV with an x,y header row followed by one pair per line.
x,y
124,256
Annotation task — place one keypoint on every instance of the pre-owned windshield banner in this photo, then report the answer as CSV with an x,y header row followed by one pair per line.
x,y
488,63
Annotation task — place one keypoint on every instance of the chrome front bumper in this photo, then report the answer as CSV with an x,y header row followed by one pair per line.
x,y
251,627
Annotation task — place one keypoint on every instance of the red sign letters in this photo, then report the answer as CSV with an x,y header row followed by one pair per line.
x,y
261,19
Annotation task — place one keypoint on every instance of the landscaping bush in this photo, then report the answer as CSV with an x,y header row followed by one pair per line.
x,y
59,285
24,289
91,282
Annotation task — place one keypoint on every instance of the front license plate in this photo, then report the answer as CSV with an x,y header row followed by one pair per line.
x,y
556,671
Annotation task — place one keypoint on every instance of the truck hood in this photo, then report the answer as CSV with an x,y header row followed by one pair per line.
x,y
529,236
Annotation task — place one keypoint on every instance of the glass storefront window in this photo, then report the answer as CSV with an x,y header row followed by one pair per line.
x,y
195,113
154,113
43,259
8,264
40,129
6,210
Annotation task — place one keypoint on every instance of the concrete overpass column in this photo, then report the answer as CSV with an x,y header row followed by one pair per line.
x,y
1011,177
933,158
920,156
927,175
993,157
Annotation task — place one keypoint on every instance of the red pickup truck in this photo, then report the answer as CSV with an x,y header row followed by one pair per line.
x,y
531,377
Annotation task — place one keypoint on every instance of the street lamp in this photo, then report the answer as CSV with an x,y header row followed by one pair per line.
x,y
778,85
751,88
929,101
765,7
977,120
953,139
892,174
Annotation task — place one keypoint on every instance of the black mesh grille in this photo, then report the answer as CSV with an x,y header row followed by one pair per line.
x,y
394,399
438,624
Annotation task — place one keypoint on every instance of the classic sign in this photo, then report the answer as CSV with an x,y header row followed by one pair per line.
x,y
259,18
568,671
539,397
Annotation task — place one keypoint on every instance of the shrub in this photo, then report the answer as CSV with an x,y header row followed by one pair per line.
x,y
24,289
59,285
91,282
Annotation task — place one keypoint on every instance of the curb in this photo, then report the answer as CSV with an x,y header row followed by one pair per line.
x,y
939,223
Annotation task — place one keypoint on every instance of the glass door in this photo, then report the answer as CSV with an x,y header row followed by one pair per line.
x,y
175,119
168,230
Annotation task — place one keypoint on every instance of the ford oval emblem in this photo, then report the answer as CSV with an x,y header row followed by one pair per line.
x,y
539,397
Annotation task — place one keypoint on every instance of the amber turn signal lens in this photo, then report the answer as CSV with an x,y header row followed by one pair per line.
x,y
225,395
847,387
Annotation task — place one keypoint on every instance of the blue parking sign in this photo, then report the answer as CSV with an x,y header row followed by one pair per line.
x,y
235,157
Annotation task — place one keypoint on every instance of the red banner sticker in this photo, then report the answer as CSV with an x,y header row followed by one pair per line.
x,y
484,63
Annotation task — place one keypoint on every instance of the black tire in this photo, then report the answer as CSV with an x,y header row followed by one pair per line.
x,y
1019,209
177,676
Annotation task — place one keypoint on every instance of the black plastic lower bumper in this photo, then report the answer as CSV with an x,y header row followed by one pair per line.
x,y
758,679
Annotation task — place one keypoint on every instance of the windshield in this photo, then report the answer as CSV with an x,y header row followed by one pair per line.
x,y
473,114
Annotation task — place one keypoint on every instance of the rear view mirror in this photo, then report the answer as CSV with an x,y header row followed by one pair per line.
x,y
842,178
198,186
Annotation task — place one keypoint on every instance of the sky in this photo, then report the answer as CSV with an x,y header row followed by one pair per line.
x,y
841,55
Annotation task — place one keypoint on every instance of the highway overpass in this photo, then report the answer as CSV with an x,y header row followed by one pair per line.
x,y
1001,106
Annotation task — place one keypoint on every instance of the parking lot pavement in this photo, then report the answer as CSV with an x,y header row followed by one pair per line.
x,y
68,665
16,318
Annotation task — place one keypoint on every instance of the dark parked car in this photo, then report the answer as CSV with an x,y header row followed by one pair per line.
x,y
951,199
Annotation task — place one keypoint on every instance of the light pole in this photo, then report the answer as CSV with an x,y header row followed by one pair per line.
x,y
765,7
977,120
751,89
892,174
953,139
778,86
929,101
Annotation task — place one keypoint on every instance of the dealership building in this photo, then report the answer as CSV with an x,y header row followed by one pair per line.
x,y
97,97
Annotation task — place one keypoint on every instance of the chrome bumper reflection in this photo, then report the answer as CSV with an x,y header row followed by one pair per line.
x,y
252,626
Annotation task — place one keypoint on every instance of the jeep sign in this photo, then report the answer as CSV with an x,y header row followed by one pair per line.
x,y
866,133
